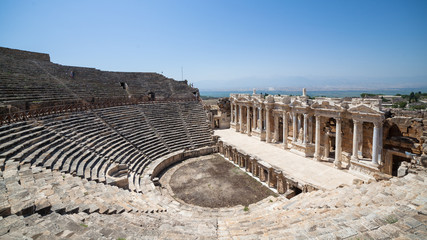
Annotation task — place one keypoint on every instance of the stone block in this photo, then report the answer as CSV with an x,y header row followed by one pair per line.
x,y
402,171
42,205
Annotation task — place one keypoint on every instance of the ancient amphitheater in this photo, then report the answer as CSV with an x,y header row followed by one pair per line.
x,y
85,154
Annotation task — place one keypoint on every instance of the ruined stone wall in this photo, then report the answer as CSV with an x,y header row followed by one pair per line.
x,y
407,113
19,54
405,134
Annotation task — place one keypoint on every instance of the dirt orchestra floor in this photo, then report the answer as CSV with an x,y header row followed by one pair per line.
x,y
211,181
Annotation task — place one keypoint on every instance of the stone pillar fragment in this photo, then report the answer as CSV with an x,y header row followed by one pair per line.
x,y
355,155
305,135
237,117
254,116
317,140
310,129
327,144
267,122
285,130
276,128
375,142
248,120
294,126
241,118
338,142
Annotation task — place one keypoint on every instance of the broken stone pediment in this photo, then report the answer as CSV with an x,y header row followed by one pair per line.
x,y
298,103
327,106
364,109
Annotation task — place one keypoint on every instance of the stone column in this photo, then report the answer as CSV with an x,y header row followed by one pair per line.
x,y
280,184
375,142
380,143
254,115
355,155
327,145
276,128
248,120
310,129
305,128
338,142
267,123
360,147
240,118
285,130
317,140
294,126
233,113
260,119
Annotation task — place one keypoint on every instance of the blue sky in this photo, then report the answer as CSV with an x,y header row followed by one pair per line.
x,y
232,44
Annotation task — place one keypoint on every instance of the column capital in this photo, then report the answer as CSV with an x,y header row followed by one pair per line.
x,y
378,124
338,118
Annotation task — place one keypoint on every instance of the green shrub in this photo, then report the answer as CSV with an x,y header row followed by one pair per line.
x,y
418,107
390,219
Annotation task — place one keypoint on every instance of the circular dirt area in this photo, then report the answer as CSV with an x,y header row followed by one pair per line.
x,y
212,181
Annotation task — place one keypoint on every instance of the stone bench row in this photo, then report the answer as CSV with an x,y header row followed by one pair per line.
x,y
129,124
86,82
44,147
101,226
82,144
380,210
26,190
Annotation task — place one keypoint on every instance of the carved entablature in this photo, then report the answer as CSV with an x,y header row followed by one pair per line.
x,y
371,103
323,107
367,110
366,113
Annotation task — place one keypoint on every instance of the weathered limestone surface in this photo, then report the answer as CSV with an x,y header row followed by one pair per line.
x,y
394,209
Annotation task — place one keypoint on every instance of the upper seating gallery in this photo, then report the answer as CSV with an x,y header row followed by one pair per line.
x,y
29,80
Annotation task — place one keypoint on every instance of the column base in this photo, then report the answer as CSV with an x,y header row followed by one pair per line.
x,y
285,146
337,165
364,167
307,150
237,126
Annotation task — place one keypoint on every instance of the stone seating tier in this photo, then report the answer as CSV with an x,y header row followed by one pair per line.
x,y
38,190
35,81
87,143
70,207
